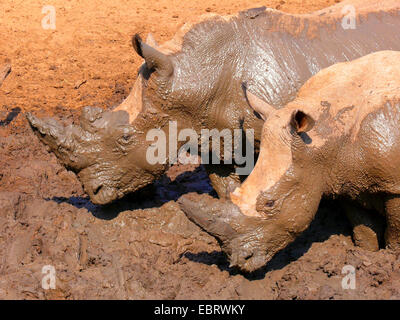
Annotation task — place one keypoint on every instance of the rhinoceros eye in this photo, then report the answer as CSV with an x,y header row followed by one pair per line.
x,y
126,137
270,203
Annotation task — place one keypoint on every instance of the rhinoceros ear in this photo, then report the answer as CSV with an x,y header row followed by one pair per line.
x,y
260,106
151,41
301,122
155,59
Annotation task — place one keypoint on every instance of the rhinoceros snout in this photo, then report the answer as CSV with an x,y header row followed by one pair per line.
x,y
241,237
99,193
248,255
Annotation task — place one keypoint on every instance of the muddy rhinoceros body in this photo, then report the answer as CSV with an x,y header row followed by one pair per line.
x,y
196,78
339,138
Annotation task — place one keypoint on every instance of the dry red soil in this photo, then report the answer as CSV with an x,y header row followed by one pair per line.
x,y
142,247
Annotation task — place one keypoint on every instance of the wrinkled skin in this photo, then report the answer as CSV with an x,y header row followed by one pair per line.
x,y
197,80
323,143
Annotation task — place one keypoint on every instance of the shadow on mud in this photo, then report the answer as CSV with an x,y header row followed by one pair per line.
x,y
328,221
153,196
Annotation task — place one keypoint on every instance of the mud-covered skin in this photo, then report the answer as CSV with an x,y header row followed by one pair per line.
x,y
85,149
323,143
196,78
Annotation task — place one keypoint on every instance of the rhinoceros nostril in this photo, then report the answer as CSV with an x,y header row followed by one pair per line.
x,y
97,190
270,203
248,256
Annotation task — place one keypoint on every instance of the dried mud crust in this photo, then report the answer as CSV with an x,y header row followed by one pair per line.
x,y
142,247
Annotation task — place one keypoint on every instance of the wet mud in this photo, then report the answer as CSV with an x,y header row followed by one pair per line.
x,y
137,247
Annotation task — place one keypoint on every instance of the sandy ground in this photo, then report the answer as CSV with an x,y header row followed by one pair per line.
x,y
142,246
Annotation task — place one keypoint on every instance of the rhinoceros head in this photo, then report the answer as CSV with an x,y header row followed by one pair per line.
x,y
107,149
104,150
266,212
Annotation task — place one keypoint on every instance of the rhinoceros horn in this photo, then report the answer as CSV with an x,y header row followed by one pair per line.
x,y
155,59
260,106
88,117
61,140
213,216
